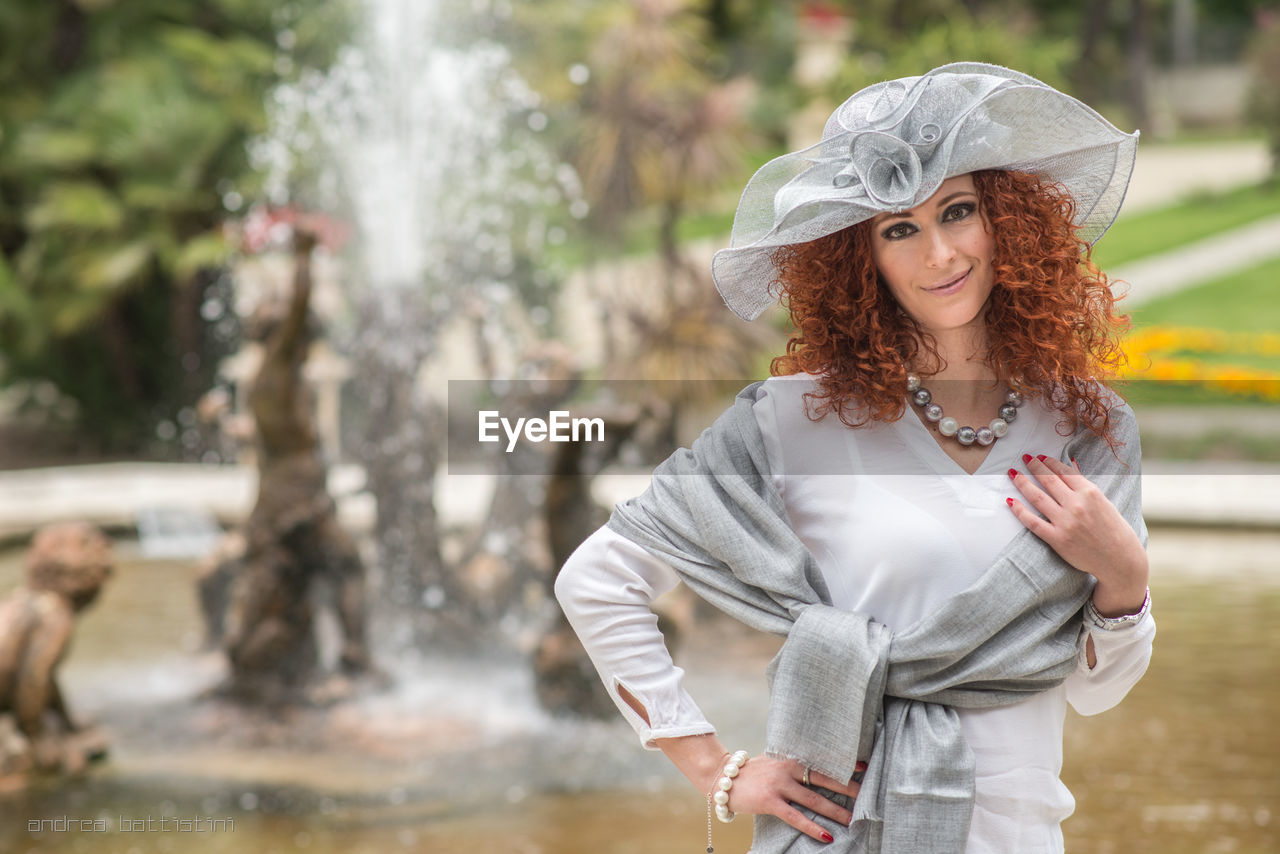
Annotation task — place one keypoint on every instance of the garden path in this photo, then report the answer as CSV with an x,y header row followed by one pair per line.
x,y
1198,262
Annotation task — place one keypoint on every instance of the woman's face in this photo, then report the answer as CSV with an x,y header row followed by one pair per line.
x,y
936,257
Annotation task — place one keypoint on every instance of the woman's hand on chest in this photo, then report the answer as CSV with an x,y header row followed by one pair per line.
x,y
1086,530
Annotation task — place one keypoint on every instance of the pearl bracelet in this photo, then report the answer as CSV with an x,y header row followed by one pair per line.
x,y
725,783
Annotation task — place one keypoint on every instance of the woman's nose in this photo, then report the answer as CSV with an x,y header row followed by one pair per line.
x,y
941,250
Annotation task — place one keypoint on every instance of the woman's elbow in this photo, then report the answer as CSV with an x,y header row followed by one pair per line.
x,y
580,582
568,585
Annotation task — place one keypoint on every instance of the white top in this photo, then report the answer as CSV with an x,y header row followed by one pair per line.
x,y
896,527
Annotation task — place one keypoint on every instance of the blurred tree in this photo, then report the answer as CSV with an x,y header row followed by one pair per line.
x,y
642,97
1090,68
122,131
656,131
647,119
1139,61
896,40
1224,28
1121,42
1264,94
1102,51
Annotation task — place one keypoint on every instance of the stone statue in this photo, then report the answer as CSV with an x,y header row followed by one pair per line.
x,y
292,539
66,567
214,578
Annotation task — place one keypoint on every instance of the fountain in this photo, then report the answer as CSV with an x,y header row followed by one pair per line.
x,y
432,150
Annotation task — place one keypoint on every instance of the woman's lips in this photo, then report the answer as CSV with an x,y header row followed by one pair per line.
x,y
952,286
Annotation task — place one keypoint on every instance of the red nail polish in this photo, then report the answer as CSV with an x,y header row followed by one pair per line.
x,y
1013,473
1026,458
1040,457
827,837
1074,463
1009,501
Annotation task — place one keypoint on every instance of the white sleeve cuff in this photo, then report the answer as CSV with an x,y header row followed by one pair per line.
x,y
606,589
1122,654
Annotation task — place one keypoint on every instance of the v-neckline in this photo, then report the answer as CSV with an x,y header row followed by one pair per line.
x,y
937,458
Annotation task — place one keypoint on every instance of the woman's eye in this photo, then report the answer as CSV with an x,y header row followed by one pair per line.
x,y
958,211
897,232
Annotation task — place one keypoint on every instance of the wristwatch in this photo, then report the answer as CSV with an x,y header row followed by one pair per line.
x,y
1112,623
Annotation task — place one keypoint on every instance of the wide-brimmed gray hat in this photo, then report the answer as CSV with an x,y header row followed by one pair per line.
x,y
890,146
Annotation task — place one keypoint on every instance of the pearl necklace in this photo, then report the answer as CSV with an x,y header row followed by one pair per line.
x,y
966,435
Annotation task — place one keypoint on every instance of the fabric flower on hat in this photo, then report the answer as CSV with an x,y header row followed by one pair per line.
x,y
888,169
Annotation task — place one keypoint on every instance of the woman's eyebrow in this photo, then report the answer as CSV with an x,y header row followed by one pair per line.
x,y
949,199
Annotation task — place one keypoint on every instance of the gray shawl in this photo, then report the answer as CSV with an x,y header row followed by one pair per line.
x,y
844,687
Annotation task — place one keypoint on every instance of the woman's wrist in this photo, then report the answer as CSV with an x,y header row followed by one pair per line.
x,y
1124,590
700,758
1114,601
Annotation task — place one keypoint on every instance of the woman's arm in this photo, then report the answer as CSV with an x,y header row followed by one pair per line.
x,y
605,589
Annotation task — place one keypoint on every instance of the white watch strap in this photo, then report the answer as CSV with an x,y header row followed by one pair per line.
x,y
1112,623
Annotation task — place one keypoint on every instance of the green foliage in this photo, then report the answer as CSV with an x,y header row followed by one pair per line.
x,y
1014,41
641,96
122,126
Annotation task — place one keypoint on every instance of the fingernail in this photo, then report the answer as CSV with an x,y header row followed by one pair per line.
x,y
1074,463
827,837
1040,457
1013,473
860,766
1009,501
1026,458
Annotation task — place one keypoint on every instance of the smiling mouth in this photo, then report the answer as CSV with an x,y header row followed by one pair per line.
x,y
950,287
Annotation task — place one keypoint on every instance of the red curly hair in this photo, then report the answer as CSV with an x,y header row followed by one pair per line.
x,y
1050,317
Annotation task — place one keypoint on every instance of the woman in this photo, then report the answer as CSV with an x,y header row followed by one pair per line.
x,y
944,591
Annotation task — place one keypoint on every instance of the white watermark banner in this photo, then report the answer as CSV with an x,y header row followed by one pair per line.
x,y
573,427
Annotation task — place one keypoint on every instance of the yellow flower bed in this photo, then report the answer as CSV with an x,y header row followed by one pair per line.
x,y
1173,354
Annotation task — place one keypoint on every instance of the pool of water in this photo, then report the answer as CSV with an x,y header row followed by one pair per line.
x,y
458,758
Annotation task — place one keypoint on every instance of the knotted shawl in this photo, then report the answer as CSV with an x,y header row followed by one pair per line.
x,y
844,687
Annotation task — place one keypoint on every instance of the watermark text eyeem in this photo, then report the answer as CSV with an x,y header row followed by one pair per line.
x,y
556,427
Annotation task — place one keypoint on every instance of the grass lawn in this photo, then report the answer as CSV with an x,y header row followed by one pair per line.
x,y
1201,216
1246,301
